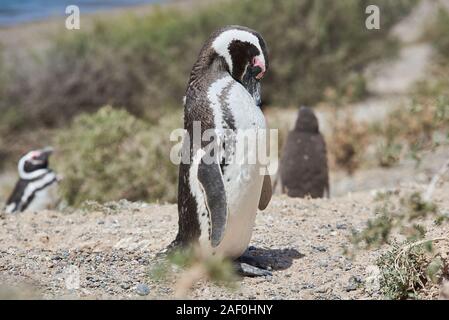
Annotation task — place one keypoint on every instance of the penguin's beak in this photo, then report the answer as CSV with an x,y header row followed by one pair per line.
x,y
259,65
252,84
44,154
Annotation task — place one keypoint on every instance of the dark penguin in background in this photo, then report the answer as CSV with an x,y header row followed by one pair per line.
x,y
303,165
218,201
37,186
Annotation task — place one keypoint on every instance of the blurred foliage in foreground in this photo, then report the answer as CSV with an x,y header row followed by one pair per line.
x,y
186,267
142,63
111,155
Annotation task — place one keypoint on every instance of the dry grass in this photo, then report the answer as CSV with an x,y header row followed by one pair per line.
x,y
347,143
413,270
395,213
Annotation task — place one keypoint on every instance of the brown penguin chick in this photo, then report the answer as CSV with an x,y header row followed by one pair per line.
x,y
303,166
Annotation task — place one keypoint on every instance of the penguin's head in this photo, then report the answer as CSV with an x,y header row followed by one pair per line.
x,y
34,163
307,121
242,52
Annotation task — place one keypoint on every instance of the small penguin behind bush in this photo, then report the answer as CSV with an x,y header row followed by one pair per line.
x,y
37,186
303,165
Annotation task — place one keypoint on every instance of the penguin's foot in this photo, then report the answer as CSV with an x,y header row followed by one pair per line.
x,y
169,250
247,270
251,266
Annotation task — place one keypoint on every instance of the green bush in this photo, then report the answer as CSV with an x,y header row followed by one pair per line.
x,y
395,214
412,270
111,155
143,62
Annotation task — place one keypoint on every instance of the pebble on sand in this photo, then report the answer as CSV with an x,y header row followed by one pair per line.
x,y
142,289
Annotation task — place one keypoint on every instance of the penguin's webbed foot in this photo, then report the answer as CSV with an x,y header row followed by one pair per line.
x,y
251,266
174,246
247,270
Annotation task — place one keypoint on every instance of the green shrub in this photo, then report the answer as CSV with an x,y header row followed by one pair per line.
x,y
395,213
414,127
411,270
402,272
111,155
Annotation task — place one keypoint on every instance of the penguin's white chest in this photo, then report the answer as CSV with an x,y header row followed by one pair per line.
x,y
44,199
242,176
243,185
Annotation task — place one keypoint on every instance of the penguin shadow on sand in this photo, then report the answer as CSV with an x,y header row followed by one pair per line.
x,y
272,259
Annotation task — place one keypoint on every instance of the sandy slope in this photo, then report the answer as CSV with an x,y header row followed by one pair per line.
x,y
301,240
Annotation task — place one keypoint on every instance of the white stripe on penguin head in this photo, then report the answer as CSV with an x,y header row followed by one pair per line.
x,y
29,175
222,42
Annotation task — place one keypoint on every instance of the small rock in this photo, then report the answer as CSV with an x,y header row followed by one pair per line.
x,y
142,289
319,248
348,266
353,284
341,226
125,286
307,286
44,239
321,290
323,263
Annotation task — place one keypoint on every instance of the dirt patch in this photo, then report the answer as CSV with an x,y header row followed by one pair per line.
x,y
301,240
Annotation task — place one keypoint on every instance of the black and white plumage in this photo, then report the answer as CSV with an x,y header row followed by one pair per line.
x,y
217,202
303,166
37,186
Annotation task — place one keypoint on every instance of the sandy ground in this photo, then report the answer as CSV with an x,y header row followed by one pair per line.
x,y
301,240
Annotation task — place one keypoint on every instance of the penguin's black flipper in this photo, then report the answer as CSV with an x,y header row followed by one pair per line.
x,y
211,180
267,192
13,203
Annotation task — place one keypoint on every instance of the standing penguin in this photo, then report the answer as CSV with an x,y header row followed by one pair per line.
x,y
303,165
218,199
37,186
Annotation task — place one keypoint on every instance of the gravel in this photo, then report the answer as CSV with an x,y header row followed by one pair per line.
x,y
114,260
